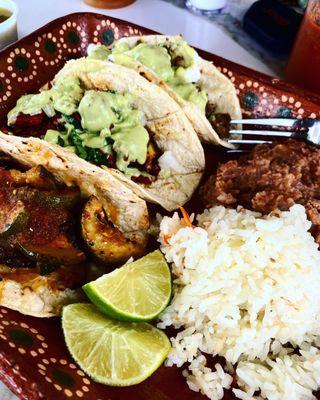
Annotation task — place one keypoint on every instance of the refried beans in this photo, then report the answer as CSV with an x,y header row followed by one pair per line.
x,y
271,177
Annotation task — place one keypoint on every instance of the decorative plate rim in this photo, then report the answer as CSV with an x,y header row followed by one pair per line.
x,y
260,76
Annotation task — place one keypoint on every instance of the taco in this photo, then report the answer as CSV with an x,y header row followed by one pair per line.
x,y
207,97
58,212
116,119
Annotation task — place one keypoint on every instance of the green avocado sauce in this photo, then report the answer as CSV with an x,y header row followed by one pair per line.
x,y
101,110
177,67
181,78
98,109
190,93
31,104
64,96
108,125
156,58
98,52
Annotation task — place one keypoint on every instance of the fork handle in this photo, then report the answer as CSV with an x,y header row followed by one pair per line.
x,y
304,123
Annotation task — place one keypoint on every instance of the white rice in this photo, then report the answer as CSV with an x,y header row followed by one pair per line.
x,y
246,288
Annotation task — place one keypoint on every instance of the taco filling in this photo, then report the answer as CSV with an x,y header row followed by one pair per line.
x,y
100,126
112,117
38,228
177,65
49,232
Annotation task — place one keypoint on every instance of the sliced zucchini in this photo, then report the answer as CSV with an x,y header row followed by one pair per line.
x,y
58,252
47,268
63,197
13,219
36,177
7,162
104,241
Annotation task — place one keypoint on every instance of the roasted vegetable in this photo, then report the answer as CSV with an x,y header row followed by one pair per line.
x,y
58,251
6,161
25,120
13,219
95,156
63,197
46,268
220,123
151,164
36,177
104,240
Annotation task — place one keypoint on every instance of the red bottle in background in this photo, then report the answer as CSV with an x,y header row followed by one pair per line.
x,y
304,63
109,3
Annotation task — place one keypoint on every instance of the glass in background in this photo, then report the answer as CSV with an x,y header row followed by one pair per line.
x,y
206,7
109,3
8,22
304,63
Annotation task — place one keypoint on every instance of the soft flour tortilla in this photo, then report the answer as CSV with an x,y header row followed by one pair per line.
x,y
36,297
182,162
219,89
125,210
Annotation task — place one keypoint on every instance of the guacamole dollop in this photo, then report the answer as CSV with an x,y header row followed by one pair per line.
x,y
64,96
177,66
99,125
156,58
108,124
98,109
98,52
189,92
110,114
30,104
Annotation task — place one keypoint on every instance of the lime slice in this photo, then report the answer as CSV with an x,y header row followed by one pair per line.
x,y
112,352
138,291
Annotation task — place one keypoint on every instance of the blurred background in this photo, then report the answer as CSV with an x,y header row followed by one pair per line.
x,y
283,34
269,29
266,28
258,34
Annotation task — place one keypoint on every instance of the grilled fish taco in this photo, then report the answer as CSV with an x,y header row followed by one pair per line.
x,y
207,97
113,117
46,193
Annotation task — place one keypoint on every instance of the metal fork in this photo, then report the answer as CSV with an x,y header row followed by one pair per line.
x,y
306,129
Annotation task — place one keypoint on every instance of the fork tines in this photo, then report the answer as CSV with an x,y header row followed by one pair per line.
x,y
284,122
268,134
273,123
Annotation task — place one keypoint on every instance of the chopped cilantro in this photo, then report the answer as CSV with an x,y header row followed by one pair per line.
x,y
77,143
117,112
97,157
93,155
69,119
60,141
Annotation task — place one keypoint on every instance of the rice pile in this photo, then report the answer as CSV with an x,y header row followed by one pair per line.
x,y
246,288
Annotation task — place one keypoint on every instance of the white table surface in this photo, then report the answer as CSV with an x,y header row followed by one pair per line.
x,y
153,14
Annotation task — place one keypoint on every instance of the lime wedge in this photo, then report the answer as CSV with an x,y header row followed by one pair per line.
x,y
112,352
138,291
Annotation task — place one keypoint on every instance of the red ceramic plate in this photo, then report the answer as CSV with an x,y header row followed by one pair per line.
x,y
34,361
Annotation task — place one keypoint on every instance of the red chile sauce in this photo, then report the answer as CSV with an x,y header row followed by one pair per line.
x,y
44,226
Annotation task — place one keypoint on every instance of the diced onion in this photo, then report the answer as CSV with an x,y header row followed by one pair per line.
x,y
168,162
49,110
